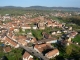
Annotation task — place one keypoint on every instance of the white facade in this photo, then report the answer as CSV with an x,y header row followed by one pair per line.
x,y
52,41
52,55
16,30
26,27
28,57
34,27
37,50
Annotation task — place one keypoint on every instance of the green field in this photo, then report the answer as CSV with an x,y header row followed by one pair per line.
x,y
37,34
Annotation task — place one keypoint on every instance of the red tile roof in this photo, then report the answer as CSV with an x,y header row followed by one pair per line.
x,y
7,49
11,41
26,55
42,47
52,53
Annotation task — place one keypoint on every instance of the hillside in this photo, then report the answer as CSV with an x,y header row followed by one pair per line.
x,y
43,8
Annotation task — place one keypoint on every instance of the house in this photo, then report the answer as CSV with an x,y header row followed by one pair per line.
x,y
70,28
16,30
29,33
51,40
7,49
10,34
41,47
25,26
21,37
69,39
52,53
46,35
41,18
41,25
27,56
33,40
11,28
14,38
60,25
65,31
54,25
49,23
73,34
10,42
53,33
28,40
22,42
34,27
58,32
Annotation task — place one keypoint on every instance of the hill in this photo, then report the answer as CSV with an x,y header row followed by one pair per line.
x,y
43,8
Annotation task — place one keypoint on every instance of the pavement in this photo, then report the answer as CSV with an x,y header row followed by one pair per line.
x,y
28,49
34,52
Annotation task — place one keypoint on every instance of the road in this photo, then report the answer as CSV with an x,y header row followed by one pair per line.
x,y
34,52
28,49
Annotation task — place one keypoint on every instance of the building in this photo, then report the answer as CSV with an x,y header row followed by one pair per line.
x,y
52,53
25,26
41,47
52,40
34,27
45,35
7,49
22,42
27,56
41,25
10,42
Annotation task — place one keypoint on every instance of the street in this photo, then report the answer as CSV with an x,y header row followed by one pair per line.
x,y
33,52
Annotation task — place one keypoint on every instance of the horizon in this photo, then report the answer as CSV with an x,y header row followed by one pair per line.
x,y
45,3
37,6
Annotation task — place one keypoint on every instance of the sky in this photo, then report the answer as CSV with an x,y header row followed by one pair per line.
x,y
48,3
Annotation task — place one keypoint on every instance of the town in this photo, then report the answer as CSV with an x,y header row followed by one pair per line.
x,y
36,36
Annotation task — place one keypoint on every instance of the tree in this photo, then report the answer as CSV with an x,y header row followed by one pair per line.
x,y
53,59
20,30
68,50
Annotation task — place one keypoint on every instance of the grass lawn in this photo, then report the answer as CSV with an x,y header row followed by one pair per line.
x,y
37,34
77,38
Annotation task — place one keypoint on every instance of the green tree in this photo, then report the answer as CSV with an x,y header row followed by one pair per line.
x,y
53,59
20,30
68,50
